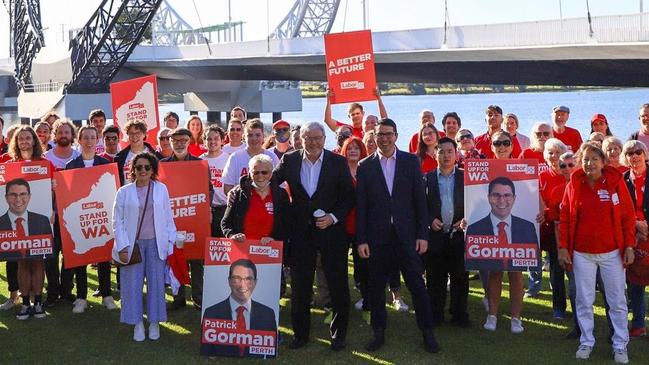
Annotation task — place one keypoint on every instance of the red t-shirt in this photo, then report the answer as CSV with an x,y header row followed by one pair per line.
x,y
196,150
529,153
638,184
554,205
414,141
622,169
570,137
428,164
483,145
594,220
258,221
356,132
548,180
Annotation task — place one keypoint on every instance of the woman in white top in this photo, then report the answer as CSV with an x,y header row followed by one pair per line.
x,y
142,214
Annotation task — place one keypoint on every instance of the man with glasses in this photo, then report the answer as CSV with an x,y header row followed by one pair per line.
x,y
355,114
164,148
235,137
180,138
642,135
136,132
282,135
392,230
237,165
322,196
494,119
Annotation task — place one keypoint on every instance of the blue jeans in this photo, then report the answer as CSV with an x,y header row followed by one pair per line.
x,y
535,282
638,305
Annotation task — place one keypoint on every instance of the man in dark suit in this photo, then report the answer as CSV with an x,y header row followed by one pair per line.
x,y
322,196
240,307
392,229
37,224
502,196
445,256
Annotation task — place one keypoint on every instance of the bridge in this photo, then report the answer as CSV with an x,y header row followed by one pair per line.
x,y
215,74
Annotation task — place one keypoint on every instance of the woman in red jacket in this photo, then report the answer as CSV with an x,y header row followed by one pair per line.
x,y
597,230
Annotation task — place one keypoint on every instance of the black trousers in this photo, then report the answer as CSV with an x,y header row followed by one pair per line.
x,y
334,263
383,259
52,272
12,275
440,265
81,275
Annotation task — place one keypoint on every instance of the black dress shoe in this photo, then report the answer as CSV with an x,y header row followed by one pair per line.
x,y
297,343
176,305
430,344
574,334
377,341
50,301
338,344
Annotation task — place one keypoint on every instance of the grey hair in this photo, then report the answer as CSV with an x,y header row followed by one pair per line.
x,y
421,113
610,140
534,139
567,155
554,143
260,158
631,146
309,126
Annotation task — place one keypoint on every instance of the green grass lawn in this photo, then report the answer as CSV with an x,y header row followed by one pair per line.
x,y
97,337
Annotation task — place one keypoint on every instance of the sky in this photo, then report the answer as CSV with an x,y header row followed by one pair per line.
x,y
260,16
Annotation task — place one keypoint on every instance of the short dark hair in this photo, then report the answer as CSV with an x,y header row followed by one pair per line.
x,y
111,129
96,113
446,140
137,124
149,157
214,128
353,106
2,122
387,122
502,180
171,114
452,115
18,182
245,263
494,108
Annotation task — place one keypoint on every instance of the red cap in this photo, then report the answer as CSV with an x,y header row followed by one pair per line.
x,y
596,117
281,123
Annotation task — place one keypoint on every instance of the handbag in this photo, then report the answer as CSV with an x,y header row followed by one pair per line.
x,y
136,255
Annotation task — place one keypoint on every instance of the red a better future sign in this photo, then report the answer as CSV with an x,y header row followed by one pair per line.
x,y
350,66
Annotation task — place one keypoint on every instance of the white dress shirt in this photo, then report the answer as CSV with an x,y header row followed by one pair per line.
x,y
246,313
310,173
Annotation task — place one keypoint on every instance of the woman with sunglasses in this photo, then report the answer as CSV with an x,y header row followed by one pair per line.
x,y
164,149
541,132
612,147
598,194
142,218
466,147
428,137
259,208
637,275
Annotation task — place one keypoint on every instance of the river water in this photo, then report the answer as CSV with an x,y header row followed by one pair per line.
x,y
620,107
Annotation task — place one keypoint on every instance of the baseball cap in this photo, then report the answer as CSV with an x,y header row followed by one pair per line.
x,y
561,108
281,123
596,117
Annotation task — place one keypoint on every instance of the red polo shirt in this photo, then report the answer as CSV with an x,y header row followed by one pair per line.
x,y
258,221
570,137
483,145
548,180
594,220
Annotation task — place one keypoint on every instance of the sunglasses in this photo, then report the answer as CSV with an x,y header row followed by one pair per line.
x,y
235,129
502,143
466,136
164,138
113,138
281,130
145,167
563,165
636,152
542,134
264,173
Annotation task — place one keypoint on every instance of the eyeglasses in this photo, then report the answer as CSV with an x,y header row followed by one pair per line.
x,y
385,134
465,136
636,152
239,279
542,134
145,167
264,173
17,195
563,165
501,196
502,143
313,139
113,138
180,141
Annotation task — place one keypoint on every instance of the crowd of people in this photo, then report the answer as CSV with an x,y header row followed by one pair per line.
x,y
400,213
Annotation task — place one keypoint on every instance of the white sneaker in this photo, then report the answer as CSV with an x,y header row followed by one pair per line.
x,y
80,306
491,323
620,356
154,331
485,304
583,352
517,325
10,303
138,332
109,303
400,305
359,305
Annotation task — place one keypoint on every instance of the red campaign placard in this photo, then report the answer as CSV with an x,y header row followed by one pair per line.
x,y
349,61
241,274
188,185
27,191
85,199
501,201
136,99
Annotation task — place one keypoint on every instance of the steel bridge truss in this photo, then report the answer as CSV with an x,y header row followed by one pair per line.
x,y
27,37
307,18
